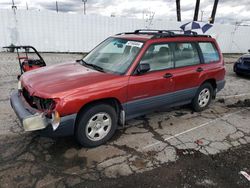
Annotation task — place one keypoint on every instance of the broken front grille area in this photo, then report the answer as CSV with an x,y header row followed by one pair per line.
x,y
37,102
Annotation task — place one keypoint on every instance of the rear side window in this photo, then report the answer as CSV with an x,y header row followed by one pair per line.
x,y
210,53
186,54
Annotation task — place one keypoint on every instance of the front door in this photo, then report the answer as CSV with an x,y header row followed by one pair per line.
x,y
150,90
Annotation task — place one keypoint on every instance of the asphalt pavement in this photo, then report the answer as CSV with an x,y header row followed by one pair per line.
x,y
168,148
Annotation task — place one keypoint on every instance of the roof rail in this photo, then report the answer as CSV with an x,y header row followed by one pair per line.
x,y
154,31
165,33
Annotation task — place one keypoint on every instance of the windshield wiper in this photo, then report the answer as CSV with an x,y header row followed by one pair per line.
x,y
96,67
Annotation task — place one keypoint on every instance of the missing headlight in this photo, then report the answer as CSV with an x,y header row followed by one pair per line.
x,y
44,104
47,104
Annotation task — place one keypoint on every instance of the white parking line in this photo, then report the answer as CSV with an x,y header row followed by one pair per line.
x,y
233,96
194,128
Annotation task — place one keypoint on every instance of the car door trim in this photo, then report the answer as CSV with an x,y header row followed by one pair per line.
x,y
142,106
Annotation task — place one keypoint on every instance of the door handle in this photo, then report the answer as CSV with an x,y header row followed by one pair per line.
x,y
199,69
168,75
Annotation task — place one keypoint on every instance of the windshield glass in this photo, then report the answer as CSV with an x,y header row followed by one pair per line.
x,y
114,55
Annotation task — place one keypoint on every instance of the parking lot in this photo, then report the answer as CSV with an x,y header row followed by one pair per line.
x,y
166,137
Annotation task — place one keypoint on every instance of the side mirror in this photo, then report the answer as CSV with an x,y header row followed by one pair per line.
x,y
249,50
142,68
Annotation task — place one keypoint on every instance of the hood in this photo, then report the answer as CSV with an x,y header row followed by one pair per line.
x,y
50,81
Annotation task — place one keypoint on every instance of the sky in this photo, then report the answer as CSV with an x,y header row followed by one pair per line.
x,y
228,11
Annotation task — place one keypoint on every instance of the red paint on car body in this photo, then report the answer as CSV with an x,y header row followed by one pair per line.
x,y
74,85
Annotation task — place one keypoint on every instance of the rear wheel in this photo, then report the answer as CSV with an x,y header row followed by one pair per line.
x,y
238,74
203,97
96,125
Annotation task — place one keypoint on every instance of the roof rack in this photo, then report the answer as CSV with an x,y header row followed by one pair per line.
x,y
164,33
154,31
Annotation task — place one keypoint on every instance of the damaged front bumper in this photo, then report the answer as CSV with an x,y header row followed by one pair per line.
x,y
33,120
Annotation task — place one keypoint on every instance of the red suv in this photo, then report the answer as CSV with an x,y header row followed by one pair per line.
x,y
127,75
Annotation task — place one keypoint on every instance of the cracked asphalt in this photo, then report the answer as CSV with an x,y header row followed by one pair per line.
x,y
171,147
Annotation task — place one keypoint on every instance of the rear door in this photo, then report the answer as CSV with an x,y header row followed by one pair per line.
x,y
213,64
150,90
188,70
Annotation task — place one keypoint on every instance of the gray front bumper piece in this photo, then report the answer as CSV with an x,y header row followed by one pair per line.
x,y
33,120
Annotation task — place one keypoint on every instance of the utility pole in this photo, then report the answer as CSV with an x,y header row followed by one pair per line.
x,y
56,7
178,10
84,6
13,6
150,19
196,12
214,11
13,26
27,8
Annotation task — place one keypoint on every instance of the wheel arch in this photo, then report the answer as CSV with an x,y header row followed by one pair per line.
x,y
211,81
114,102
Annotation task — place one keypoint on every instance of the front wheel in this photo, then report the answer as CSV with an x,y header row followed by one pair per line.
x,y
96,125
203,97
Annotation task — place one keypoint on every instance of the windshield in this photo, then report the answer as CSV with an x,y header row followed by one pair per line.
x,y
114,55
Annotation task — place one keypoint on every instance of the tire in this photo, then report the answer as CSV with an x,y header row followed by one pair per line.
x,y
238,74
202,97
96,125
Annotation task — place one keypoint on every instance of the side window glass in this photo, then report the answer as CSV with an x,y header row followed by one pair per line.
x,y
186,54
210,54
159,57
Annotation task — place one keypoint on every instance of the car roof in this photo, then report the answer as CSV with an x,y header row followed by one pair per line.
x,y
146,34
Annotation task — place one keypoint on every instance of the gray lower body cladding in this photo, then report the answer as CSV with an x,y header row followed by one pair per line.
x,y
23,111
143,106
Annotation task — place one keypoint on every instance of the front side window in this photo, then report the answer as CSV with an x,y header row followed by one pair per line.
x,y
210,54
114,55
159,57
186,54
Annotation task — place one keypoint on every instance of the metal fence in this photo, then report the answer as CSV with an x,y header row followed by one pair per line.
x,y
66,32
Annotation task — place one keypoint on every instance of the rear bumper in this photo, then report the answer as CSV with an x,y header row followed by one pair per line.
x,y
33,120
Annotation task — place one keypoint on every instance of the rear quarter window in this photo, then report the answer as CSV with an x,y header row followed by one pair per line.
x,y
210,53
